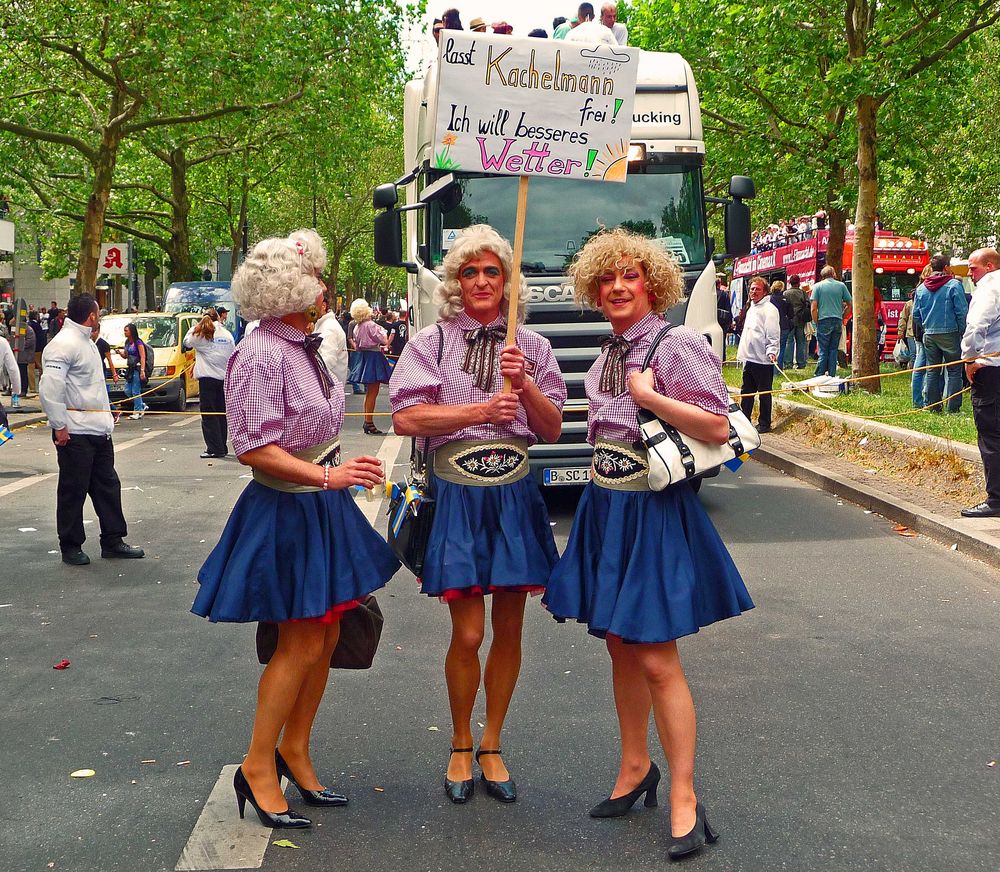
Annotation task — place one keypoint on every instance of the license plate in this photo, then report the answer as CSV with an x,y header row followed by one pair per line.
x,y
566,475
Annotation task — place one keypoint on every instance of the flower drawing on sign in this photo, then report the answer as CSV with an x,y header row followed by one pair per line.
x,y
442,158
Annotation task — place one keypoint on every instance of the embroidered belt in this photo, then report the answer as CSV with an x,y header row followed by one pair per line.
x,y
620,466
324,454
481,464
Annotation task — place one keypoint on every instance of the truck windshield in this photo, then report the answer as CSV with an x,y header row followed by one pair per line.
x,y
662,202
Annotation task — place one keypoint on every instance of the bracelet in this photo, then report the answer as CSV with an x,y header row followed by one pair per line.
x,y
326,476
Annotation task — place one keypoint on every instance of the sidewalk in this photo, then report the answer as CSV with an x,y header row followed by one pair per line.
x,y
914,507
29,412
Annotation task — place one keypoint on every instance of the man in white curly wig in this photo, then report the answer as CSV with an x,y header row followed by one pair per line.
x,y
490,534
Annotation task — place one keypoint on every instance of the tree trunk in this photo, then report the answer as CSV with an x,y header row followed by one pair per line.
x,y
179,250
237,233
150,269
93,220
837,223
865,345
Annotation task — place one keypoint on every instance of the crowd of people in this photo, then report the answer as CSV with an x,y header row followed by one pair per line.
x,y
585,26
787,231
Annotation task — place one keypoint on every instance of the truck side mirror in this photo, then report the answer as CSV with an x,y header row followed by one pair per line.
x,y
388,235
737,229
742,188
385,196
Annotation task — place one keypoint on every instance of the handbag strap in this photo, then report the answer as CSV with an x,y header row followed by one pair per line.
x,y
656,344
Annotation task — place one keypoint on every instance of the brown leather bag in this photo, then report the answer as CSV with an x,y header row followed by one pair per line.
x,y
360,631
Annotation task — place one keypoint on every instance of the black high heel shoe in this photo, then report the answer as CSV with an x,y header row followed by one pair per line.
x,y
504,791
459,791
288,819
372,430
701,832
324,797
620,805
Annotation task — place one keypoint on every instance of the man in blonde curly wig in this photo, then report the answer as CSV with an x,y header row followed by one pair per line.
x,y
608,249
471,242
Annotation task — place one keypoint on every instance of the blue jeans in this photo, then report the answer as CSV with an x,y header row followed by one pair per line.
x,y
133,387
782,344
828,335
943,348
796,339
917,379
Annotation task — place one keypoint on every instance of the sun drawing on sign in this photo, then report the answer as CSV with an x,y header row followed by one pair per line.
x,y
614,162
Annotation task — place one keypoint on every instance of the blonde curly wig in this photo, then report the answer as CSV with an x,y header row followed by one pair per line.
x,y
271,283
664,279
471,243
360,310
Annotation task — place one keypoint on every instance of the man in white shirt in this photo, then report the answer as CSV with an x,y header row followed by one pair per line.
x,y
609,18
73,381
589,30
981,338
334,347
757,352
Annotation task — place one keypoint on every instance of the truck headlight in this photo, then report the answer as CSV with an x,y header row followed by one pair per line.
x,y
158,372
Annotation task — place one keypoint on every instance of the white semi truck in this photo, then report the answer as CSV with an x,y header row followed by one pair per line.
x,y
663,198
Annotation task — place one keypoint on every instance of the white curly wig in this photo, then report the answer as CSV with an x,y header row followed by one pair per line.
x,y
470,243
360,310
271,282
312,249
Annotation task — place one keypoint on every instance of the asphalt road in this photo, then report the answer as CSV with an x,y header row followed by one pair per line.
x,y
848,722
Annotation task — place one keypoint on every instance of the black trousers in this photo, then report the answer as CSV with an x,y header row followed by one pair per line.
x,y
87,466
757,377
986,414
212,398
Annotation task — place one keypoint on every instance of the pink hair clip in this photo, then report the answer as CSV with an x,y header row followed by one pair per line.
x,y
300,249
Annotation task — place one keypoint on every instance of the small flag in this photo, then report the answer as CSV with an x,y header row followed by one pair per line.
x,y
737,462
5,434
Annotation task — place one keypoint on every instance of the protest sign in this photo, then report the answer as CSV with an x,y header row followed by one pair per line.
x,y
530,107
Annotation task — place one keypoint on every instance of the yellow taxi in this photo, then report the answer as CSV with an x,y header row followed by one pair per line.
x,y
163,333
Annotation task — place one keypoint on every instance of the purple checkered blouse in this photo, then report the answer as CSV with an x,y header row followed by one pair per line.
x,y
684,368
274,394
418,379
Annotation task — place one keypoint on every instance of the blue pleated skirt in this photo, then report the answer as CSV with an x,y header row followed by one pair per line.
x,y
285,556
368,367
644,566
486,539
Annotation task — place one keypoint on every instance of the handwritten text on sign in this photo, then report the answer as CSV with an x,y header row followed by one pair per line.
x,y
533,107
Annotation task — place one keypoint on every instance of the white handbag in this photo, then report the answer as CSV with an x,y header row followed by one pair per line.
x,y
674,457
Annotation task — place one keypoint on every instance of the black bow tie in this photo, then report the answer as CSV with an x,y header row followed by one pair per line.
x,y
311,343
613,372
483,354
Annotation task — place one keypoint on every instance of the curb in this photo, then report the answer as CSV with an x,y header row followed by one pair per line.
x,y
24,422
938,527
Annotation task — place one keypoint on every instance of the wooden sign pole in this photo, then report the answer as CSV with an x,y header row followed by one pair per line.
x,y
515,277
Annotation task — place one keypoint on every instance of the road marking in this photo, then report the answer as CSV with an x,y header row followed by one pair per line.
x,y
25,482
139,439
185,421
387,454
38,479
220,840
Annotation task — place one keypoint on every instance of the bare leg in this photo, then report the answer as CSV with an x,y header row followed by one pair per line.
x,y
461,671
295,739
503,665
633,704
673,710
300,646
371,395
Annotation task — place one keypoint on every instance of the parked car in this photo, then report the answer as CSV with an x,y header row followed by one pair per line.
x,y
199,296
163,333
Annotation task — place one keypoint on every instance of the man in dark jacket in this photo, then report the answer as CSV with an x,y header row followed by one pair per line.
x,y
940,306
798,302
784,317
